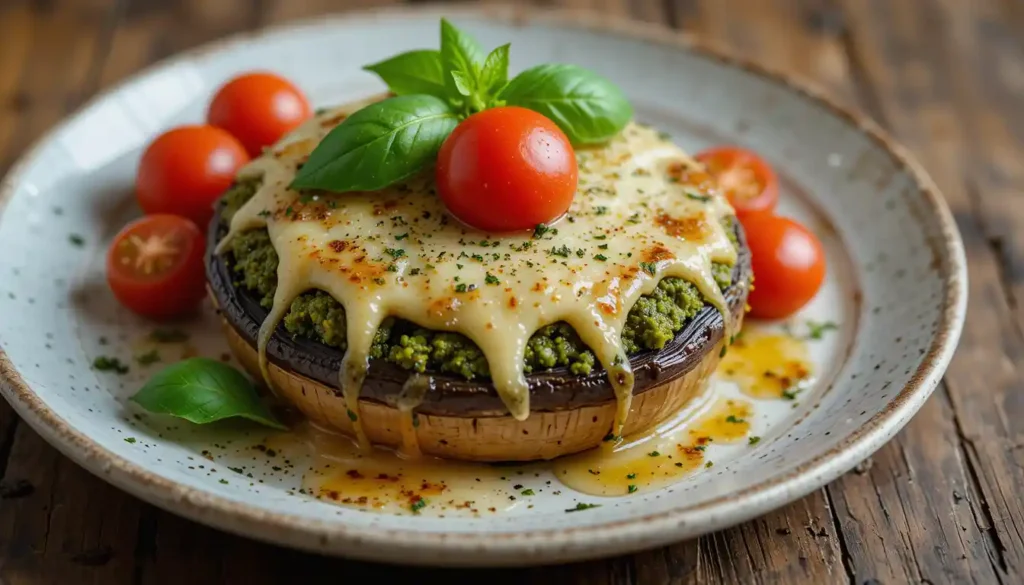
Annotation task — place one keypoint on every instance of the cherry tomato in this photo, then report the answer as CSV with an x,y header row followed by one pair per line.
x,y
258,108
749,182
788,263
155,266
186,169
506,169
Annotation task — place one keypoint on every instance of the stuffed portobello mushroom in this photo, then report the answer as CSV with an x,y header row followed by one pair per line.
x,y
379,313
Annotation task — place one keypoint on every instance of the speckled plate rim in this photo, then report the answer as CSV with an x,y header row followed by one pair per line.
x,y
533,546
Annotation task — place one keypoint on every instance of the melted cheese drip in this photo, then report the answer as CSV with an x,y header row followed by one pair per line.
x,y
637,217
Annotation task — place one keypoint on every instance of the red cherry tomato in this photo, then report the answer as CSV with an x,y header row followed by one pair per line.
x,y
186,169
749,182
258,108
155,266
788,263
506,169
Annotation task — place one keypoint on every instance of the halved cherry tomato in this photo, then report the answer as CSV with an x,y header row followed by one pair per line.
x,y
258,108
506,169
186,169
155,266
788,263
748,181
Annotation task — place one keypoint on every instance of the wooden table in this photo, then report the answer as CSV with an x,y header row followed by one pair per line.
x,y
942,503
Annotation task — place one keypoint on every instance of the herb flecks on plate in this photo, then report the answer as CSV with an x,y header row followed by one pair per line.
x,y
391,140
202,390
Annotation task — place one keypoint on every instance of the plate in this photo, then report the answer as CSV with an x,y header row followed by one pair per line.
x,y
896,288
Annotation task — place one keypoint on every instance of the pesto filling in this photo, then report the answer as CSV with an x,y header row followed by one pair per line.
x,y
651,323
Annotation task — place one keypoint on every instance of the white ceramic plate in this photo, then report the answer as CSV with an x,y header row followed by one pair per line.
x,y
896,285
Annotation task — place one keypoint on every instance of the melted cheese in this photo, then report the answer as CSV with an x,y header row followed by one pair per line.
x,y
644,210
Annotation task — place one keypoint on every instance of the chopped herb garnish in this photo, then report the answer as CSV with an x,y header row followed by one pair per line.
x,y
601,237
459,266
109,364
753,440
527,492
709,464
130,440
654,454
611,437
603,247
600,257
150,357
460,288
649,267
224,481
564,251
414,272
380,281
700,447
288,212
76,240
540,230
352,416
789,394
631,488
477,257
721,354
697,196
491,279
168,335
418,505
732,419
395,253
401,236
600,210
635,218
264,213
631,476
816,330
392,268
583,506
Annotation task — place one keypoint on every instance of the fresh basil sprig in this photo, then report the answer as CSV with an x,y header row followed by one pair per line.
x,y
587,107
413,72
202,390
389,141
379,145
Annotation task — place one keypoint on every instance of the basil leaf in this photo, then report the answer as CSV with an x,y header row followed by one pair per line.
x,y
379,145
494,74
459,52
586,106
202,390
463,84
412,72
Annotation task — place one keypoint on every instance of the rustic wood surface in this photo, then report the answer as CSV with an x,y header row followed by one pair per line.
x,y
942,503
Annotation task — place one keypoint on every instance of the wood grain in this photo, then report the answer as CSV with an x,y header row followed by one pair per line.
x,y
939,504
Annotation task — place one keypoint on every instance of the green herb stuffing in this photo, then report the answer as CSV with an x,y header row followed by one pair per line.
x,y
651,323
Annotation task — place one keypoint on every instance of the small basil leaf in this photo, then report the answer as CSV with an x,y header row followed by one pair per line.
x,y
459,52
412,72
494,74
587,107
202,390
379,145
463,84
